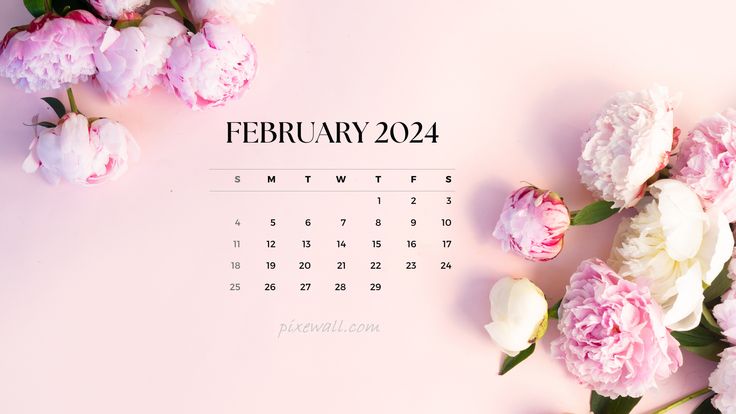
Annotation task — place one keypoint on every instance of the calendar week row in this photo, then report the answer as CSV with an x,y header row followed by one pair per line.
x,y
286,181
341,222
377,265
307,286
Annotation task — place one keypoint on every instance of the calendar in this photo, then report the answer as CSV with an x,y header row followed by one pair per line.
x,y
359,228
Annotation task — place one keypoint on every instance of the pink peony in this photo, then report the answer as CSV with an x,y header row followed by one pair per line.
x,y
211,67
533,223
116,9
707,162
132,60
725,313
52,52
613,337
82,152
723,382
627,143
240,11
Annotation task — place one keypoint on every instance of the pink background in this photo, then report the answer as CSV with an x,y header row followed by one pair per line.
x,y
113,299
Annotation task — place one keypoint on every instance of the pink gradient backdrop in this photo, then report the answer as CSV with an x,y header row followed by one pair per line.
x,y
112,299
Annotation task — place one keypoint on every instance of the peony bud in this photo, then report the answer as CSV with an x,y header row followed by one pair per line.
x,y
518,313
533,223
82,152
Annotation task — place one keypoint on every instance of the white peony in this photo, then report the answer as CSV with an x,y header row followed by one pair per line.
x,y
626,144
117,8
518,313
241,12
673,247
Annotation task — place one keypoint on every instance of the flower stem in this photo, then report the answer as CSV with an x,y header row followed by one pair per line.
x,y
72,101
683,400
178,8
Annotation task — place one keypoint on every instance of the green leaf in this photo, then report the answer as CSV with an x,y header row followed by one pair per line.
x,y
719,286
593,213
36,7
710,352
701,341
510,362
65,6
604,405
708,321
56,105
706,407
189,25
42,124
554,311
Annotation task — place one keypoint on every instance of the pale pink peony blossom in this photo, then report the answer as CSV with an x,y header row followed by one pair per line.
x,y
533,224
707,162
211,67
131,61
81,152
241,12
613,338
725,314
52,52
723,382
627,143
116,9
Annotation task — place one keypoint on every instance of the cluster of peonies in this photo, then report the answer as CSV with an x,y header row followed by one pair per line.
x,y
127,53
620,319
205,69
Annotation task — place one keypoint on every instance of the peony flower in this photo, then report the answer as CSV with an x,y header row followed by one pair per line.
x,y
707,162
518,313
52,52
116,9
723,382
613,338
533,223
725,313
626,144
673,247
211,67
240,11
131,61
82,152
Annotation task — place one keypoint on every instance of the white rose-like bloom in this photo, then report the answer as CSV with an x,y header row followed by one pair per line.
x,y
723,382
131,61
673,247
518,313
626,144
117,8
81,152
241,12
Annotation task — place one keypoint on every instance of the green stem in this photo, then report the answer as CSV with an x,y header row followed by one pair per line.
x,y
47,6
178,8
683,400
72,101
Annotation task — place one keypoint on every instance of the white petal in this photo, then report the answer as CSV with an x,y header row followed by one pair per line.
x,y
507,338
684,314
717,246
682,218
